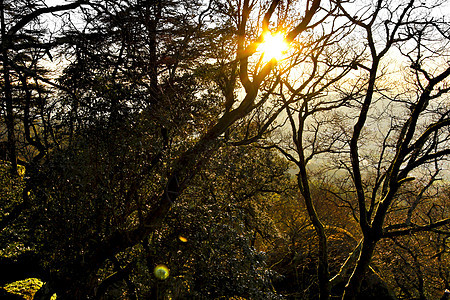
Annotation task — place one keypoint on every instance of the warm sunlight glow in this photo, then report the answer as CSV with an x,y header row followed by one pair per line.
x,y
273,46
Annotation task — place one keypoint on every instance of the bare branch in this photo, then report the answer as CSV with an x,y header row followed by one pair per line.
x,y
40,11
415,228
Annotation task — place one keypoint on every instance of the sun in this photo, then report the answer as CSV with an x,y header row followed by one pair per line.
x,y
273,46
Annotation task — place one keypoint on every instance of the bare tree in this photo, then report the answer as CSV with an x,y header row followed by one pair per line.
x,y
418,141
413,137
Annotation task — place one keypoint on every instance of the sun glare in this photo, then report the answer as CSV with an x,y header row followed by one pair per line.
x,y
273,46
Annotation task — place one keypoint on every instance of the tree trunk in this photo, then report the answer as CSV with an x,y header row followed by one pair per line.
x,y
323,271
353,286
9,116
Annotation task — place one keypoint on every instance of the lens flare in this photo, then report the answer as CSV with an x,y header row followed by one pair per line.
x,y
161,272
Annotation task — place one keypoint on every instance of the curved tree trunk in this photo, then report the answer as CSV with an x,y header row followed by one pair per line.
x,y
353,286
323,271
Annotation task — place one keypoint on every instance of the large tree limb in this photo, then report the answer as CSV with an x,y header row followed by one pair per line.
x,y
416,228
